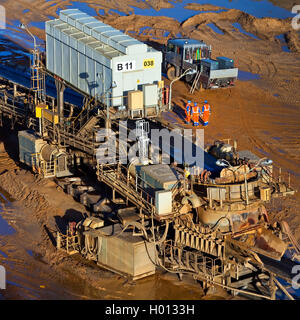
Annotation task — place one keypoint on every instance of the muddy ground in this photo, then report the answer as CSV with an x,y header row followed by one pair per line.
x,y
263,115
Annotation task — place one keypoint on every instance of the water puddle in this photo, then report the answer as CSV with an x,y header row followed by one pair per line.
x,y
246,76
30,252
5,228
179,12
263,152
3,254
117,11
258,9
282,296
281,151
239,27
284,45
215,28
38,24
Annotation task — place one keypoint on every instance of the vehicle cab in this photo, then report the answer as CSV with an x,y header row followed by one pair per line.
x,y
184,53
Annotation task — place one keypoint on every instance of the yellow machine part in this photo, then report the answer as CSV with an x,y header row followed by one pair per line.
x,y
161,84
50,116
38,110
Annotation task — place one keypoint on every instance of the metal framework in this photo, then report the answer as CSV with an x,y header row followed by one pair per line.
x,y
195,249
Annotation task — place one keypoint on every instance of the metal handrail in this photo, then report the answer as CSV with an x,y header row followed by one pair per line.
x,y
201,263
138,192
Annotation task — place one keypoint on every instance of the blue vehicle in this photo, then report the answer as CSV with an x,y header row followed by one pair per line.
x,y
182,54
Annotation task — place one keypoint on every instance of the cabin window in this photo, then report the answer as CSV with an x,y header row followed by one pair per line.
x,y
205,53
197,54
171,47
179,50
188,54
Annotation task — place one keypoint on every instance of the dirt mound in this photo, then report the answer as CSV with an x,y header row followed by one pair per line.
x,y
293,41
264,28
202,7
157,25
287,4
159,4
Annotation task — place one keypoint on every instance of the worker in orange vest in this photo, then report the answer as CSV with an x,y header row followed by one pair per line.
x,y
195,114
206,112
188,110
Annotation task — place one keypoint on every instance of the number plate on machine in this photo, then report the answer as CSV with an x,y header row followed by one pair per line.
x,y
149,63
125,66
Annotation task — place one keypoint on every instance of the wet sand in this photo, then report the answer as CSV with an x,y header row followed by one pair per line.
x,y
263,115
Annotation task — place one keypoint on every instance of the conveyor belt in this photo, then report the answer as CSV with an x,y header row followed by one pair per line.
x,y
24,79
209,160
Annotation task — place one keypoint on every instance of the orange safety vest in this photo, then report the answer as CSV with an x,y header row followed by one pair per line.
x,y
195,112
206,112
188,108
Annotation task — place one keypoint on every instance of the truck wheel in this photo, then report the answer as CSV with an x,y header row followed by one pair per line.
x,y
205,86
171,73
189,78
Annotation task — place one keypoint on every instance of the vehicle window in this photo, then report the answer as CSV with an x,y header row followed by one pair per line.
x,y
196,54
205,53
188,54
171,47
178,50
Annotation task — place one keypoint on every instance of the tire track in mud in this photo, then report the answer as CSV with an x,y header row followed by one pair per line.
x,y
261,146
262,67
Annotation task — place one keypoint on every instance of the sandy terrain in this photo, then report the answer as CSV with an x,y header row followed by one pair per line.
x,y
263,115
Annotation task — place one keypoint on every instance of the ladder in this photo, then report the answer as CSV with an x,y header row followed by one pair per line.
x,y
87,127
195,82
49,169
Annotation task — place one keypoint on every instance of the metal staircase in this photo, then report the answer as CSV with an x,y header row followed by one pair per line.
x,y
195,82
87,127
120,182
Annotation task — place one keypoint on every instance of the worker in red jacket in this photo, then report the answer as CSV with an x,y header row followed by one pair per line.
x,y
206,112
188,111
195,114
